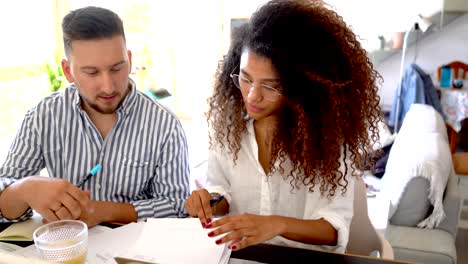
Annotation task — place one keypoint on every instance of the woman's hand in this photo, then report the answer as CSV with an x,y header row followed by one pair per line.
x,y
246,229
198,205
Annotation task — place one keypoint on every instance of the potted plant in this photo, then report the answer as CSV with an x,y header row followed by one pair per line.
x,y
55,74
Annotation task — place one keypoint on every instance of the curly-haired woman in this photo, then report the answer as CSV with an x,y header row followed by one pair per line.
x,y
294,102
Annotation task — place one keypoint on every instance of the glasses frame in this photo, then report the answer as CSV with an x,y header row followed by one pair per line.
x,y
236,80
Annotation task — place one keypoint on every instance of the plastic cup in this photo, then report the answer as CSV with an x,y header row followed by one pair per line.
x,y
64,241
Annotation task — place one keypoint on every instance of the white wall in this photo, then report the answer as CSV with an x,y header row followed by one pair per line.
x,y
434,50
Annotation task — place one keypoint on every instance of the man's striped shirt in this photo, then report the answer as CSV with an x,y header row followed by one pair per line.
x,y
144,157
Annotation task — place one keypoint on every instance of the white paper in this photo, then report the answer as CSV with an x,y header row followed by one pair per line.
x,y
8,258
29,252
8,248
102,248
177,240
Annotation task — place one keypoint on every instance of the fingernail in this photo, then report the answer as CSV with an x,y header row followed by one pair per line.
x,y
211,234
208,221
208,225
203,225
218,241
234,247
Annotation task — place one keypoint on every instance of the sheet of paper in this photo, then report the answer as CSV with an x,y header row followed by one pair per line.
x,y
173,240
8,258
8,248
225,257
102,248
22,231
27,252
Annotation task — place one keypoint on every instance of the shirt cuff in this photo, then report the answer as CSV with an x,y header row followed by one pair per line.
x,y
28,214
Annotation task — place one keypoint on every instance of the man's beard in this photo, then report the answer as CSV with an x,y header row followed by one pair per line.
x,y
102,110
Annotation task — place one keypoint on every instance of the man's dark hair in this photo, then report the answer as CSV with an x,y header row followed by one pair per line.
x,y
90,23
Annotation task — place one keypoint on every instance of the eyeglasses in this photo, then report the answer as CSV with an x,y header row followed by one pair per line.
x,y
244,84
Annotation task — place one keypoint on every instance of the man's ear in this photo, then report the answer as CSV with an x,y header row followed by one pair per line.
x,y
67,71
129,54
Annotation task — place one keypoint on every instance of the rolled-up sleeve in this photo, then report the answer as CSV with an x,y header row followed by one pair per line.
x,y
217,180
170,186
24,158
339,212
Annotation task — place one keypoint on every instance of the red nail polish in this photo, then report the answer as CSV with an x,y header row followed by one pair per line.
x,y
211,234
208,221
203,225
234,247
208,225
218,241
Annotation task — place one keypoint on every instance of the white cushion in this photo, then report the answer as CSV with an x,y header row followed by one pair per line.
x,y
423,119
420,149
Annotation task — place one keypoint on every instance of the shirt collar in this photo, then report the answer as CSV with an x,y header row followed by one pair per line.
x,y
130,99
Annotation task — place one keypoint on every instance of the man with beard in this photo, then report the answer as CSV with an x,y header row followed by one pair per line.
x,y
101,118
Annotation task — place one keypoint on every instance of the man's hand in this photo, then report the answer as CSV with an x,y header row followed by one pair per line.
x,y
54,199
102,211
92,217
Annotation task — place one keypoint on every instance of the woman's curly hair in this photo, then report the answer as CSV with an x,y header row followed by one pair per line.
x,y
330,86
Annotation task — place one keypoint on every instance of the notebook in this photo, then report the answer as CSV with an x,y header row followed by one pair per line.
x,y
22,231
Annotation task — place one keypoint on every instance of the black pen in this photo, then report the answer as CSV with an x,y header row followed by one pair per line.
x,y
90,174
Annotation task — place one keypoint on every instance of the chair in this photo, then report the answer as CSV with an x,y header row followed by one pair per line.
x,y
457,67
363,238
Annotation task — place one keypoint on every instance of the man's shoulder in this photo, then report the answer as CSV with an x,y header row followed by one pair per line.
x,y
56,100
152,104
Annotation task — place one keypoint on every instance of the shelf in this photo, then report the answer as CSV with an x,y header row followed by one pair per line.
x,y
378,56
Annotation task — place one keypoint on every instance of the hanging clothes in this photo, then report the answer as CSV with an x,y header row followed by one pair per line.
x,y
416,88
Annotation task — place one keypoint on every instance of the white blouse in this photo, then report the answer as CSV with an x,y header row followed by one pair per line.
x,y
249,190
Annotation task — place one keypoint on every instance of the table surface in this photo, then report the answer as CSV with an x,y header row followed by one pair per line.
x,y
264,253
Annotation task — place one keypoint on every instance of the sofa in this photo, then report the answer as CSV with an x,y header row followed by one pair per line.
x,y
425,199
430,246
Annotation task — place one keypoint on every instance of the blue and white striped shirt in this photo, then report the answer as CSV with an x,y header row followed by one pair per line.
x,y
144,157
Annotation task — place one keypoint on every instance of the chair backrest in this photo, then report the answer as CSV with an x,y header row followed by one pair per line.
x,y
363,238
456,66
